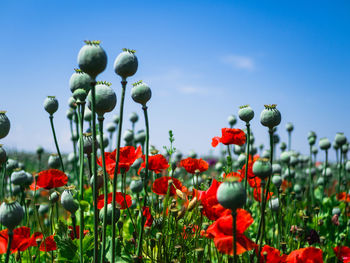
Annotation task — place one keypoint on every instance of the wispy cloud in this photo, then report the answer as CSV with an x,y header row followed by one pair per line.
x,y
190,89
239,62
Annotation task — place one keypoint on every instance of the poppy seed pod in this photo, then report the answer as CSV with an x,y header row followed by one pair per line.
x,y
340,139
43,209
262,168
80,80
232,120
136,186
30,179
87,114
320,181
297,189
276,168
311,134
141,92
289,127
54,196
347,166
11,214
110,127
19,177
70,114
274,204
285,157
314,150
109,214
277,181
324,144
39,150
4,124
219,166
11,164
312,140
283,146
276,138
79,95
246,113
68,202
238,149
92,59
3,155
128,136
99,181
72,103
293,160
126,63
336,211
105,98
231,195
266,154
270,116
335,145
140,136
51,104
133,117
54,161
345,148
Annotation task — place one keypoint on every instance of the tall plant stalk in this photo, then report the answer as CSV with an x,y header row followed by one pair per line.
x,y
247,157
56,143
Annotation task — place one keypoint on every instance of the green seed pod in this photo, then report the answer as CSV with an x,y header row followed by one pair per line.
x,y
311,134
99,181
54,197
4,125
29,179
285,157
231,195
328,172
274,204
277,181
219,166
140,137
116,119
68,202
276,138
293,160
72,103
141,92
336,146
110,127
232,120
71,158
51,104
336,211
297,189
39,150
347,166
312,140
109,214
283,146
276,168
289,127
11,164
192,154
136,186
270,116
133,117
314,150
92,59
3,155
19,177
340,139
238,149
105,141
137,163
54,161
320,181
105,98
345,148
11,214
246,113
43,209
324,144
178,156
80,80
262,168
79,95
254,150
266,154
17,189
241,159
87,114
70,114
126,63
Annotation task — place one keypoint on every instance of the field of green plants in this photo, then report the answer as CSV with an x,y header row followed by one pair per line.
x,y
118,199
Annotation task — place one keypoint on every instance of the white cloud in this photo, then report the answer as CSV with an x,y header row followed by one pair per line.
x,y
186,89
239,62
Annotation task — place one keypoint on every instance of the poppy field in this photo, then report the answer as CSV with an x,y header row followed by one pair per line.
x,y
116,198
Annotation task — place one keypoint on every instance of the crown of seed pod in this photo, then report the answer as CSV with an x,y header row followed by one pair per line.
x,y
324,144
68,202
231,195
246,113
110,127
109,214
262,168
141,92
92,59
51,104
136,186
270,116
340,139
277,180
133,117
105,98
3,155
289,127
126,63
11,214
80,80
54,161
4,124
19,177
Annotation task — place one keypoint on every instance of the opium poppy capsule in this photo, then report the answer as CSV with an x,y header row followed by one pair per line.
x,y
140,136
87,114
80,80
141,92
39,150
11,214
79,95
4,124
110,127
231,195
133,117
68,202
54,161
19,177
270,116
72,103
51,104
11,164
126,63
283,146
277,180
276,168
92,59
105,98
347,166
274,204
3,155
340,139
109,214
262,168
246,113
289,127
54,196
297,189
128,135
336,211
232,120
285,157
324,144
192,154
99,181
69,114
136,186
116,119
345,148
311,134
312,140
43,209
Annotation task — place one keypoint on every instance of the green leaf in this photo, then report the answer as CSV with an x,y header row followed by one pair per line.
x,y
66,247
84,205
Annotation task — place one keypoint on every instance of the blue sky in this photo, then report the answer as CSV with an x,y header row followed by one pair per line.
x,y
202,59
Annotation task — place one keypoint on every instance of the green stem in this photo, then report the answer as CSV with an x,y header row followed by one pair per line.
x,y
339,172
56,143
311,187
247,157
10,235
289,141
234,226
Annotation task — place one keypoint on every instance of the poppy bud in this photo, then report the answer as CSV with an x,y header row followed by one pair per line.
x,y
289,127
3,155
133,117
136,186
270,116
324,144
92,59
68,202
54,161
231,195
19,177
232,120
80,80
79,95
110,127
51,104
126,63
105,98
340,139
109,214
246,113
320,181
262,168
276,168
128,136
192,204
141,93
11,214
4,124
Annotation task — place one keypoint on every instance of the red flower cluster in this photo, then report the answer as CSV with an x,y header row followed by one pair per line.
x,y
149,218
156,163
191,165
77,229
119,198
230,136
160,185
49,179
48,244
302,255
342,253
343,197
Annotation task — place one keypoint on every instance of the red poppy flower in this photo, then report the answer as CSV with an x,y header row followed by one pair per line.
x,y
21,239
77,229
271,255
49,179
119,198
191,165
342,253
211,207
253,180
156,163
160,185
257,194
149,218
343,197
221,232
305,255
127,156
229,136
48,244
